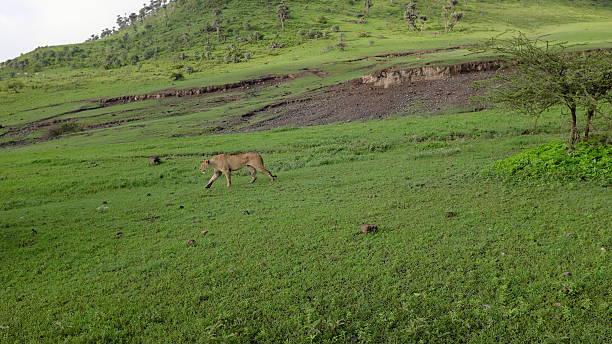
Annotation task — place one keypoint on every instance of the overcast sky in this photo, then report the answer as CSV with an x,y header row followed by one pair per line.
x,y
28,24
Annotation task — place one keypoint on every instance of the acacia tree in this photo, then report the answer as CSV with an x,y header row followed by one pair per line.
x,y
217,23
592,76
450,15
546,75
367,4
413,18
283,13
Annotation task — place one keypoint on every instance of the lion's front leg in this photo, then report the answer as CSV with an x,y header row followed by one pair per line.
x,y
213,178
228,176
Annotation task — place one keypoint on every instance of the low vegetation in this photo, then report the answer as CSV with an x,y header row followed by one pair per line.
x,y
108,235
62,129
557,160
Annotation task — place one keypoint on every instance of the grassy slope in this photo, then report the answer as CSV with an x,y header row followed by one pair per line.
x,y
293,270
574,22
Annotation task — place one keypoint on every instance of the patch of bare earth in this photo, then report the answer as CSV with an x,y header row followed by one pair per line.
x,y
357,101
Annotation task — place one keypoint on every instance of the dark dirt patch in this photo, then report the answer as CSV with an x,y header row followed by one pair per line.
x,y
355,101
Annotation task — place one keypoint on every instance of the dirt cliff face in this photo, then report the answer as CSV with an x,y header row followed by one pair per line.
x,y
196,91
393,77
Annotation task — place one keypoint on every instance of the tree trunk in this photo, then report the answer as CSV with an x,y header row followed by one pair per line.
x,y
575,135
590,114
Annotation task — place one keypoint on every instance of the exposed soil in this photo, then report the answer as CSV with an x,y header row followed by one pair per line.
x,y
264,81
356,101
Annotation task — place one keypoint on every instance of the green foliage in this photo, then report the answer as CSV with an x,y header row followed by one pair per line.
x,y
160,32
177,76
547,74
556,160
14,86
62,129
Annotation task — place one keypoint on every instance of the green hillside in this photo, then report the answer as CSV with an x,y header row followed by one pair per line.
x,y
212,32
97,245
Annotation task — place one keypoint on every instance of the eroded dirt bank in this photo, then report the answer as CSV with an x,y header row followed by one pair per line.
x,y
393,77
383,94
206,90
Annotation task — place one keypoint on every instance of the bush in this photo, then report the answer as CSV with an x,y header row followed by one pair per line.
x,y
61,129
586,161
15,86
177,76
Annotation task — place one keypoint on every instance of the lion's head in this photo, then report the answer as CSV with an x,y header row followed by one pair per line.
x,y
204,165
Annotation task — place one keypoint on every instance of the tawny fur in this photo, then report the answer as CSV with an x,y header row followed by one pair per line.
x,y
225,164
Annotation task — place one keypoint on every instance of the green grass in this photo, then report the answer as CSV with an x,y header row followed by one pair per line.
x,y
578,22
461,255
293,270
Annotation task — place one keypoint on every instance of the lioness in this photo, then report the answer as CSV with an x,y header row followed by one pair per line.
x,y
227,163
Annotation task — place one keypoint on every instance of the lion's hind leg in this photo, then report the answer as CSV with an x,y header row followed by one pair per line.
x,y
266,172
253,173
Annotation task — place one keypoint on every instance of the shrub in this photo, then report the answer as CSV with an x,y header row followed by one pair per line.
x,y
587,161
61,129
15,86
256,36
177,76
312,34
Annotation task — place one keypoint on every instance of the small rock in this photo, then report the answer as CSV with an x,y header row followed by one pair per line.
x,y
450,214
246,212
354,340
486,305
566,273
368,228
503,253
602,249
204,232
568,234
191,242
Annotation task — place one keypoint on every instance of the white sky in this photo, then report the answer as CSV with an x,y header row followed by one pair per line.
x,y
28,24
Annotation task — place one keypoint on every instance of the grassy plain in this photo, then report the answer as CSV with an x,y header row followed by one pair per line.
x,y
93,240
518,263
